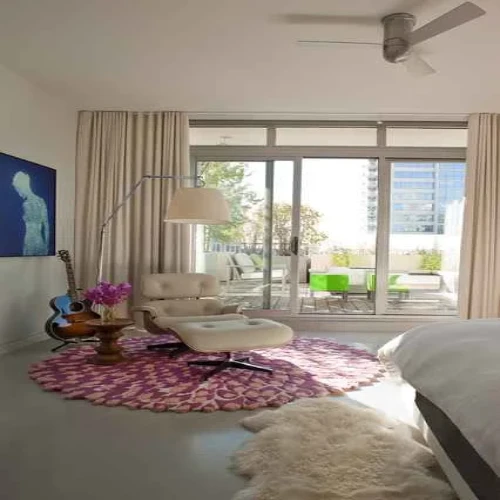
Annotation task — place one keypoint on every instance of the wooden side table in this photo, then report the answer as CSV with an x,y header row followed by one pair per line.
x,y
108,352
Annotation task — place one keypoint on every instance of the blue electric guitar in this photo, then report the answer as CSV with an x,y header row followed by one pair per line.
x,y
70,313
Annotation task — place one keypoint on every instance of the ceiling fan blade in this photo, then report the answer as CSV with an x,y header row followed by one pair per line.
x,y
416,66
329,19
335,42
464,13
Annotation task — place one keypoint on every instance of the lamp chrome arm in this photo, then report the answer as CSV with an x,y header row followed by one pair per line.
x,y
120,205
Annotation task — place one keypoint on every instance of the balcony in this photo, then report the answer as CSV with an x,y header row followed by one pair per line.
x,y
419,302
409,292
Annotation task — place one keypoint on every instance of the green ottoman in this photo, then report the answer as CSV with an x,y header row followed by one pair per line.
x,y
392,286
333,283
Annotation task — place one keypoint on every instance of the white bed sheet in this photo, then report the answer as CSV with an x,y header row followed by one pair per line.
x,y
456,366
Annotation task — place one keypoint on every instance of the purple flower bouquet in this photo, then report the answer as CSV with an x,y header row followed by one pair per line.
x,y
109,296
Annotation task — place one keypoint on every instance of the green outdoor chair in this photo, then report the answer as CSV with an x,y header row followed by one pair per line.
x,y
392,286
333,283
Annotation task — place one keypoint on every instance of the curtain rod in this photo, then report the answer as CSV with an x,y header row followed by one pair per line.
x,y
326,123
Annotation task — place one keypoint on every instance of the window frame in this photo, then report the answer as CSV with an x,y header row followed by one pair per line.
x,y
385,155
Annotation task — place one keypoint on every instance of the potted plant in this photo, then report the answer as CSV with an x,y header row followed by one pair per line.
x,y
109,296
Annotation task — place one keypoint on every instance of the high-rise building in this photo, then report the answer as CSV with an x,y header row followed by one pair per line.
x,y
420,194
372,198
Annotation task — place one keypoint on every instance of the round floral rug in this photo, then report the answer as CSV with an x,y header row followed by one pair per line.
x,y
305,368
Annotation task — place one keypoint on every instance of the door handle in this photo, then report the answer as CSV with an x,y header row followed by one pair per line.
x,y
294,245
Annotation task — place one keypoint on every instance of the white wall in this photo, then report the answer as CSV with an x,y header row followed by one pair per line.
x,y
37,127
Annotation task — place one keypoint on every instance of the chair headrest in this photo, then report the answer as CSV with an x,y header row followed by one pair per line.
x,y
179,285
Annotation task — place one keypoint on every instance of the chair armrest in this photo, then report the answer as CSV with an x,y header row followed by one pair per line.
x,y
146,309
231,308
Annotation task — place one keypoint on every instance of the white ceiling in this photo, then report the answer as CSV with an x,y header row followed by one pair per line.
x,y
234,57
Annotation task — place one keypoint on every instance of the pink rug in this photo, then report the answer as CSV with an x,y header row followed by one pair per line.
x,y
305,368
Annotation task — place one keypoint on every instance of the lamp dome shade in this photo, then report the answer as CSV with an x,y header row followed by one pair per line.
x,y
198,206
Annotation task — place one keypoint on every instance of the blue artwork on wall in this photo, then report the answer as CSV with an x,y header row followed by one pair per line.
x,y
27,208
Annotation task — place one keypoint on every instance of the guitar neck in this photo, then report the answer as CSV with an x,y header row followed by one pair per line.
x,y
70,275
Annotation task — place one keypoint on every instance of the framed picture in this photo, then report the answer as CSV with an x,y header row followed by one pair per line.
x,y
27,208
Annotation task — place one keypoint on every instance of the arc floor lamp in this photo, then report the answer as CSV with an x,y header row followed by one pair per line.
x,y
189,205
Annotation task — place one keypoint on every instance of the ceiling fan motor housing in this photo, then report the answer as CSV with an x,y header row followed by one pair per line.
x,y
397,31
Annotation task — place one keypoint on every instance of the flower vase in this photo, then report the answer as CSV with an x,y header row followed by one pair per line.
x,y
108,315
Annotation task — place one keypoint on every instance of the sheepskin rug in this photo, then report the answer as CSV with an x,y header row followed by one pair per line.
x,y
325,449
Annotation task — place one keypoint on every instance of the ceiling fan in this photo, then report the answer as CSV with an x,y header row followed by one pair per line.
x,y
400,37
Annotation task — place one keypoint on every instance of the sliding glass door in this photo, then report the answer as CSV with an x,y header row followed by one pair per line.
x,y
251,256
338,230
303,236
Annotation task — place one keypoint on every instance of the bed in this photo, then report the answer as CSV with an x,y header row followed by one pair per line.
x,y
454,368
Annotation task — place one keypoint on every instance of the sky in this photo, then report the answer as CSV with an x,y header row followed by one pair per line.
x,y
334,187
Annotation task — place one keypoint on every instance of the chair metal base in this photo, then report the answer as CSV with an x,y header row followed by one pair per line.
x,y
229,362
175,348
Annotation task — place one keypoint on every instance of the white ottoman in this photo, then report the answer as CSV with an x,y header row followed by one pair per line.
x,y
230,336
233,335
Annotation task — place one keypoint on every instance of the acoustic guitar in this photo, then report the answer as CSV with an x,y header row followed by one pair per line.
x,y
70,313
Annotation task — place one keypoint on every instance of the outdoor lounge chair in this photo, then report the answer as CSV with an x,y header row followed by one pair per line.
x,y
245,269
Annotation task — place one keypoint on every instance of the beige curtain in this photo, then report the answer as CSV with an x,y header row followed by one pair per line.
x,y
114,150
479,295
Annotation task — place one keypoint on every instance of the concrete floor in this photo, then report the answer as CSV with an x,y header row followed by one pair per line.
x,y
70,450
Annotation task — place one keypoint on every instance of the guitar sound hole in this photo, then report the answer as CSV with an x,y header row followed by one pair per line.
x,y
77,307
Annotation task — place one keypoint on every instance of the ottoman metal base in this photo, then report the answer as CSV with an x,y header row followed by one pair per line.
x,y
229,362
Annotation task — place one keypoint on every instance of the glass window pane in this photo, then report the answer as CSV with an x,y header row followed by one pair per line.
x,y
403,217
421,207
409,195
243,186
414,185
409,174
326,136
236,252
236,136
281,225
427,137
338,235
424,243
